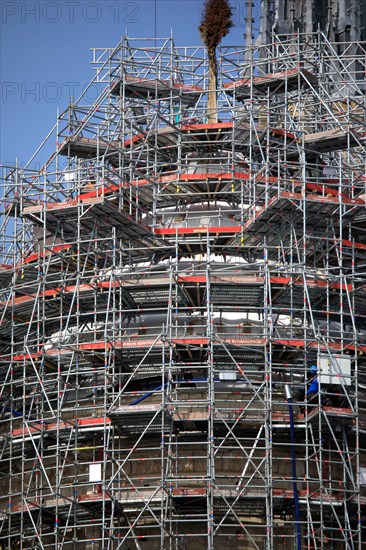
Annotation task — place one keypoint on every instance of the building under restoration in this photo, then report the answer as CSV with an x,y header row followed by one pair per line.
x,y
168,284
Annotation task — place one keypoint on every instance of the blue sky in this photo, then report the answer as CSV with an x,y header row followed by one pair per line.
x,y
45,54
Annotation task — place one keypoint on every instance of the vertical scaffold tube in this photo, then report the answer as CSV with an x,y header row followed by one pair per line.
x,y
293,466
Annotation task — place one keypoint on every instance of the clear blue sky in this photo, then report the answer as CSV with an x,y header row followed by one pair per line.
x,y
45,47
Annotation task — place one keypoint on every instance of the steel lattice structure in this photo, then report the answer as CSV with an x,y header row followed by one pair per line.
x,y
163,279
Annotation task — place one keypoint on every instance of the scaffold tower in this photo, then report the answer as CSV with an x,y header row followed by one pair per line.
x,y
168,285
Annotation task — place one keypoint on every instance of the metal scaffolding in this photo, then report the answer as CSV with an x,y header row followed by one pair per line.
x,y
166,284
